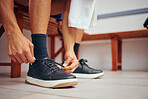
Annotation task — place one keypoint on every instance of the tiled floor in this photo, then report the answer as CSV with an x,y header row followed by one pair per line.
x,y
114,85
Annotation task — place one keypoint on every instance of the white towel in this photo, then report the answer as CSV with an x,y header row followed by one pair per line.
x,y
82,14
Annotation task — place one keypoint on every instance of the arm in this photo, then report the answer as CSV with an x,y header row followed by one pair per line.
x,y
19,47
69,40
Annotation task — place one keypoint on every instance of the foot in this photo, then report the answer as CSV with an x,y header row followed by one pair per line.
x,y
84,71
46,73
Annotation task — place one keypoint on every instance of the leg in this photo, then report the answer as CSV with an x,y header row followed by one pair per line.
x,y
44,72
71,62
79,35
58,6
39,11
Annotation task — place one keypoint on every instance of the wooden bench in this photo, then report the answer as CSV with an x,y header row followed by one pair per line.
x,y
116,43
116,40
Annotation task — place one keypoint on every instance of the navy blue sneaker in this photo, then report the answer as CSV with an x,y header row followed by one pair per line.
x,y
46,73
84,71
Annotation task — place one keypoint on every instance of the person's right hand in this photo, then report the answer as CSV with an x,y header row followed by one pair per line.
x,y
71,62
20,49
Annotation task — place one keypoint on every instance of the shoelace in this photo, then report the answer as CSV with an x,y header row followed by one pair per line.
x,y
83,62
51,64
51,61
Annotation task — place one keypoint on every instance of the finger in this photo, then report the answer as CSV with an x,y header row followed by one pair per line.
x,y
67,62
19,59
73,69
63,68
70,71
29,57
13,59
32,52
32,49
72,66
23,57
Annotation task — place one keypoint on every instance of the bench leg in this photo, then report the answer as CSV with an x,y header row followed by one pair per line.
x,y
52,46
119,55
53,53
2,30
116,46
15,69
63,52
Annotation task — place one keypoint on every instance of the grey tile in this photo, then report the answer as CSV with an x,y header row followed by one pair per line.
x,y
10,94
127,82
44,96
93,90
6,70
21,85
118,85
6,77
3,90
126,74
113,85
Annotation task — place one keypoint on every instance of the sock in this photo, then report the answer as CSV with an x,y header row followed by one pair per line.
x,y
76,48
40,46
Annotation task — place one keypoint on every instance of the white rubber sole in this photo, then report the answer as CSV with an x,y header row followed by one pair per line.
x,y
52,83
88,76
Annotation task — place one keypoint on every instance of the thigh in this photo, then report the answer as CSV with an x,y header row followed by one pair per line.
x,y
58,6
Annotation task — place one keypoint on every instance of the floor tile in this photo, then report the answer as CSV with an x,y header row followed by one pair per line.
x,y
44,96
94,90
113,85
128,82
3,90
21,85
10,94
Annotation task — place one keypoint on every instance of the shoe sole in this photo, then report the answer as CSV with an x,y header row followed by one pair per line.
x,y
52,83
88,76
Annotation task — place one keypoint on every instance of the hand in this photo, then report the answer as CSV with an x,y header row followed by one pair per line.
x,y
71,62
20,49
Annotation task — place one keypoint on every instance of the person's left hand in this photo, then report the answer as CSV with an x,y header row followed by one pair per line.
x,y
71,62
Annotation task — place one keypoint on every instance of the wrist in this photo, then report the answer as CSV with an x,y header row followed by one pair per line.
x,y
16,32
71,52
69,49
69,46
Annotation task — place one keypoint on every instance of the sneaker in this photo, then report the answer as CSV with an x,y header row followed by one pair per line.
x,y
84,71
45,73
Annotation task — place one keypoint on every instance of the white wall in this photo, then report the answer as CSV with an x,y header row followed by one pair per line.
x,y
135,51
122,23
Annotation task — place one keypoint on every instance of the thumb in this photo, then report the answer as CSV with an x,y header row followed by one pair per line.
x,y
32,50
68,61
